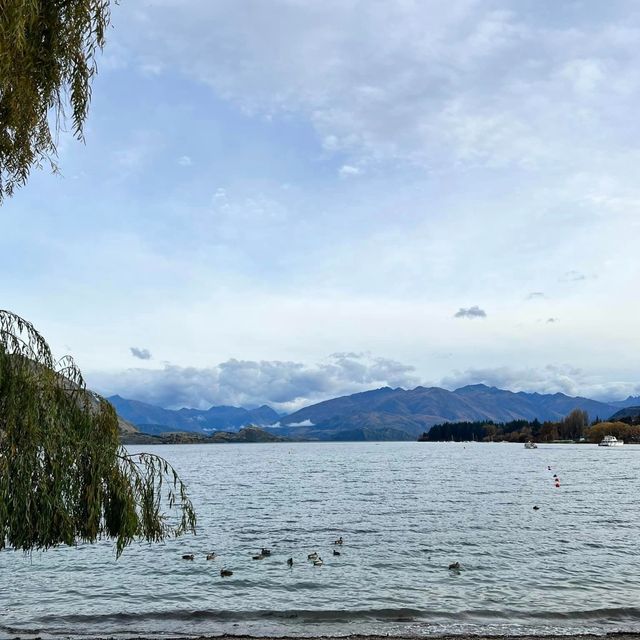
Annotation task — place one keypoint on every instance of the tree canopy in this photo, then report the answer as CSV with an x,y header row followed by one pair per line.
x,y
64,477
47,60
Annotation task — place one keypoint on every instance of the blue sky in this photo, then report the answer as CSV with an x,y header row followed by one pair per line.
x,y
281,201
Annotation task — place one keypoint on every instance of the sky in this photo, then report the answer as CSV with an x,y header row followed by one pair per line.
x,y
282,201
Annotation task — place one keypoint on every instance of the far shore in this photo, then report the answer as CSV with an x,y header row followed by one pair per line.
x,y
461,636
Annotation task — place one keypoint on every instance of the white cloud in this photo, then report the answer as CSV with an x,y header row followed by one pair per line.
x,y
304,423
347,170
185,161
151,68
491,83
566,379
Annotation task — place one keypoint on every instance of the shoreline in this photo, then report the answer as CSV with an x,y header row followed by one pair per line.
x,y
614,635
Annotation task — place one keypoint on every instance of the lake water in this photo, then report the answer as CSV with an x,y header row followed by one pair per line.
x,y
405,511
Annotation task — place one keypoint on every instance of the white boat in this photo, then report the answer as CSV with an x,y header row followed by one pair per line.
x,y
530,445
610,441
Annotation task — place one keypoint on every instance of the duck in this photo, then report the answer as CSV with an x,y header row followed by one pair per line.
x,y
265,552
338,541
454,566
336,553
211,556
535,507
290,562
318,562
313,556
225,573
257,557
188,556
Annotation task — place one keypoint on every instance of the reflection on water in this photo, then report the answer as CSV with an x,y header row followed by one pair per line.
x,y
405,510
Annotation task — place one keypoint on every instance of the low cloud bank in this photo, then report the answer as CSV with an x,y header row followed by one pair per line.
x,y
286,386
550,379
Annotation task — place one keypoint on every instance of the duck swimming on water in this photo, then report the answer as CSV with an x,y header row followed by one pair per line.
x,y
336,553
338,541
211,556
454,566
225,573
313,556
188,556
318,562
290,562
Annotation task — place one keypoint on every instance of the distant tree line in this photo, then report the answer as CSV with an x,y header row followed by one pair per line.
x,y
575,427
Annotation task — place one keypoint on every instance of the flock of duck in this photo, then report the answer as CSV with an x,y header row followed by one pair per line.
x,y
265,553
314,558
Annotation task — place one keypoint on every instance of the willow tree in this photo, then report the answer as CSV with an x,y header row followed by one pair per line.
x,y
64,477
47,60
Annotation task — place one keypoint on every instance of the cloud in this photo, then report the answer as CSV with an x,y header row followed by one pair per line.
x,y
185,161
552,320
551,378
480,83
347,170
141,354
471,312
536,295
304,423
286,386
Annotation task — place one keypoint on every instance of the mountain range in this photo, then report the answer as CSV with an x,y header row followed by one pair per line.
x,y
152,419
379,414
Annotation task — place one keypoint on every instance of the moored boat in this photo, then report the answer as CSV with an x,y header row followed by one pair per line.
x,y
530,445
610,441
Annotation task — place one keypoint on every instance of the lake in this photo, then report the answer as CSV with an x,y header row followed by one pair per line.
x,y
405,511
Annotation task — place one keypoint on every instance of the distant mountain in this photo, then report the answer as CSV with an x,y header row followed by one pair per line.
x,y
631,401
414,411
196,420
380,414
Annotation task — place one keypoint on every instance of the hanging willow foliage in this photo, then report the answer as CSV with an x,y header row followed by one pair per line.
x,y
64,477
47,60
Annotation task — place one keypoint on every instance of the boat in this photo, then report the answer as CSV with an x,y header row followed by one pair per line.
x,y
610,441
530,445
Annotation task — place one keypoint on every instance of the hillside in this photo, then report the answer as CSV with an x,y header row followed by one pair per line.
x,y
625,414
246,434
414,411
